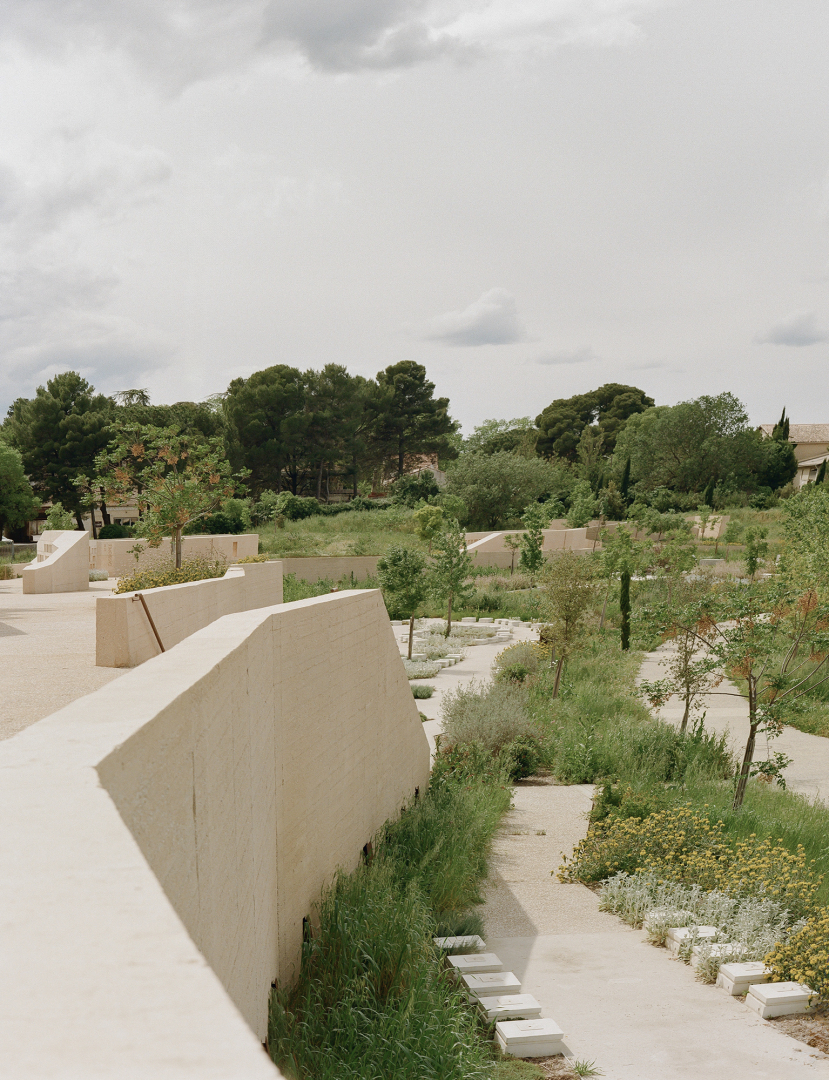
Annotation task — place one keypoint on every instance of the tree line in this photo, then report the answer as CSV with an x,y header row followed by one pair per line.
x,y
608,453
281,429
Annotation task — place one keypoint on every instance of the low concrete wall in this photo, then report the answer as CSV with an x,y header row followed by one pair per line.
x,y
114,555
124,637
61,563
332,566
187,815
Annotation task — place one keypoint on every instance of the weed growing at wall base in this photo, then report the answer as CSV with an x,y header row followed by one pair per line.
x,y
372,1000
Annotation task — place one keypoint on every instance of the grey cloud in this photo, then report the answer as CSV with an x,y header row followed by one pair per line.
x,y
577,356
491,320
798,329
194,39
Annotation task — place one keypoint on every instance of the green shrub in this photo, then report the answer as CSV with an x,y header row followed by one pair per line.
x,y
524,756
420,691
421,669
491,715
156,577
114,532
233,517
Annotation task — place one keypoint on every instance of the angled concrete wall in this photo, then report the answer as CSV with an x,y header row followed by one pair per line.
x,y
125,638
331,567
115,556
61,563
162,838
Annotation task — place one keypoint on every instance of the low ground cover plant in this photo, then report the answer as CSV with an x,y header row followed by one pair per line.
x,y
751,925
421,691
155,577
421,669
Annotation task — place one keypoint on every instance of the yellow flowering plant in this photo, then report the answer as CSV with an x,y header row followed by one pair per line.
x,y
804,957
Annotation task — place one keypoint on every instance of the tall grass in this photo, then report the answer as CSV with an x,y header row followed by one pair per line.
x,y
372,1000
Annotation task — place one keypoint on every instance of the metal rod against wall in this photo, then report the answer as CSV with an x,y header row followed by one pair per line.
x,y
140,596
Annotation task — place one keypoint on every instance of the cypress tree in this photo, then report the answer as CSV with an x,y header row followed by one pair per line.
x,y
821,473
708,495
626,479
624,605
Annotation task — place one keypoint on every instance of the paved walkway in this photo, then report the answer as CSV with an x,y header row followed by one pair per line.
x,y
47,652
476,665
621,1002
727,712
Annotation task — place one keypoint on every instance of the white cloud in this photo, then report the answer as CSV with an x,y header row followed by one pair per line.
x,y
798,329
194,39
491,320
576,356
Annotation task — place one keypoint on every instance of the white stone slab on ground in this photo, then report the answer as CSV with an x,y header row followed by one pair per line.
x,y
510,1007
462,942
478,963
529,1038
735,979
492,984
778,999
677,936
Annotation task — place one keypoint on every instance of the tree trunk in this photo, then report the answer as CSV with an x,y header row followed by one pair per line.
x,y
319,482
685,715
512,563
559,666
92,523
79,520
748,756
104,512
411,635
178,547
624,604
449,617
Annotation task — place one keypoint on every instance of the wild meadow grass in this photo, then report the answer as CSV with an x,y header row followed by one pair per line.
x,y
372,999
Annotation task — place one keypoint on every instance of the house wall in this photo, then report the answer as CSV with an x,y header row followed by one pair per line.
x,y
61,563
163,838
115,556
124,637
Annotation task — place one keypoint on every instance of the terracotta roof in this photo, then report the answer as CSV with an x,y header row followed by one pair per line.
x,y
803,433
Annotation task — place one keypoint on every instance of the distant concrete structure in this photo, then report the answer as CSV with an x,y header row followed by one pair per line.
x,y
811,451
119,557
163,838
130,628
61,563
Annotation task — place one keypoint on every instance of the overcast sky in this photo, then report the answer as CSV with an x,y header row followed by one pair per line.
x,y
530,197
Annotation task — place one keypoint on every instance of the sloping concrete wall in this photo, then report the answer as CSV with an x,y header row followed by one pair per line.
x,y
114,555
163,838
124,637
61,563
332,567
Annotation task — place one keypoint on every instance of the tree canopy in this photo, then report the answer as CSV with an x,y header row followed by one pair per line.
x,y
498,487
58,433
609,408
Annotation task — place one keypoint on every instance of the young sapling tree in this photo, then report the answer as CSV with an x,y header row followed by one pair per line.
x,y
402,576
513,542
568,594
175,478
451,566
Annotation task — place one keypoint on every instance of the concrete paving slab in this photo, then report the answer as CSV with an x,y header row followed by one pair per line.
x,y
47,652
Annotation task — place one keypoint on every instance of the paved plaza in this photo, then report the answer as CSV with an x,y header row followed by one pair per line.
x,y
47,648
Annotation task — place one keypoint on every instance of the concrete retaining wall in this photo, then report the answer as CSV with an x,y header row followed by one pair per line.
x,y
125,638
332,567
114,555
61,563
163,838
